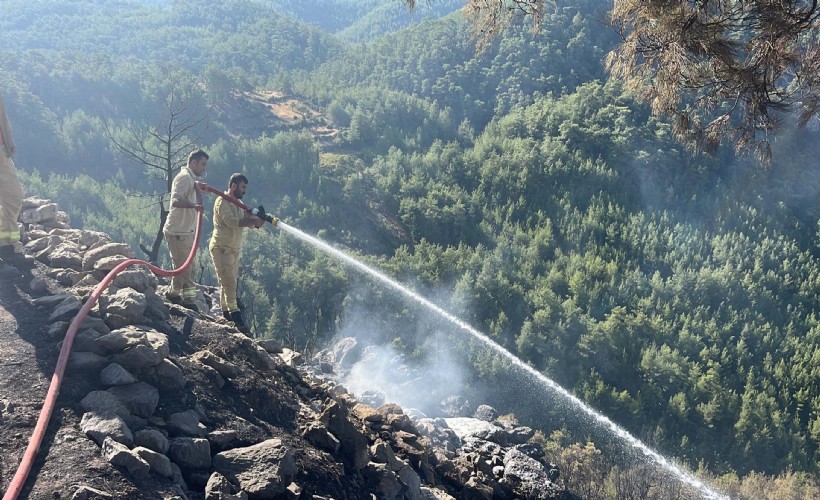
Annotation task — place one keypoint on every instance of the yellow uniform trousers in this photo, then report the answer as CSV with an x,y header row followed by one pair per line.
x,y
11,199
226,263
183,283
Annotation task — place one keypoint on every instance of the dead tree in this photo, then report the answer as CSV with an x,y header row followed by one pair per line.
x,y
162,150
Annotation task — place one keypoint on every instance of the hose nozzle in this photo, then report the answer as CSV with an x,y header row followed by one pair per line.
x,y
260,212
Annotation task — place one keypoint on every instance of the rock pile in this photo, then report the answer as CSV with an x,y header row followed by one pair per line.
x,y
475,457
182,400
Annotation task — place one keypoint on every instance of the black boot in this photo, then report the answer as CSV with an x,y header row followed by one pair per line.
x,y
239,321
226,315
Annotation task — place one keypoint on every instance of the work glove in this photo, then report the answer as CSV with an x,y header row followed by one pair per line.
x,y
260,212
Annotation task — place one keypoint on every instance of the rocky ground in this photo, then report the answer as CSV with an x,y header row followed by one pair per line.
x,y
162,402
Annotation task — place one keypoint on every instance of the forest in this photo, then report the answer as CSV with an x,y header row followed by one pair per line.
x,y
518,187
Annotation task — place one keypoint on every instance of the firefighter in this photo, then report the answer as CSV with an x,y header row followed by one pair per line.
x,y
11,199
226,241
180,228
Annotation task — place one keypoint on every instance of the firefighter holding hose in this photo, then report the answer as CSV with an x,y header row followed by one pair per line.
x,y
226,241
180,227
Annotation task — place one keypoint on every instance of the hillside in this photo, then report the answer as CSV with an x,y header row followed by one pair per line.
x,y
252,114
517,187
160,402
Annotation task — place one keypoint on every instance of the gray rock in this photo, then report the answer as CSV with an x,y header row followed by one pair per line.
x,y
85,341
36,246
109,249
290,357
119,454
430,493
39,214
353,443
486,413
167,376
135,278
58,330
89,239
115,374
156,308
382,453
271,346
107,264
66,311
125,307
63,217
144,348
65,277
225,368
153,439
186,423
86,362
318,435
177,477
159,463
525,474
382,480
412,481
141,399
465,427
66,256
96,323
520,435
263,470
86,492
219,488
190,453
38,285
345,353
102,425
49,302
101,401
222,439
34,202
117,340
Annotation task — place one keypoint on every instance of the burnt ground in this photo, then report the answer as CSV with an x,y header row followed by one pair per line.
x,y
262,403
67,460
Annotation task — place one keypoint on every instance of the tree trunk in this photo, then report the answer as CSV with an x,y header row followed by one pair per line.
x,y
153,253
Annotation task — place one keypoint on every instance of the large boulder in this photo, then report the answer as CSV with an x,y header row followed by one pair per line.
x,y
141,399
124,307
354,445
102,425
527,476
190,453
91,257
138,347
119,454
263,470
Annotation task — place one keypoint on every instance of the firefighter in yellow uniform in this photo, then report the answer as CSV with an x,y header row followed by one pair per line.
x,y
180,227
226,242
11,197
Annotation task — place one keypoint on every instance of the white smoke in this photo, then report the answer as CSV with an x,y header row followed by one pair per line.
x,y
421,383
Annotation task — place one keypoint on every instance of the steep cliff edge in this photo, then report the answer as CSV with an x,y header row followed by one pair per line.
x,y
162,402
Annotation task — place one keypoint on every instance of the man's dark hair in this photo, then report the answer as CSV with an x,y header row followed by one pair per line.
x,y
197,155
236,179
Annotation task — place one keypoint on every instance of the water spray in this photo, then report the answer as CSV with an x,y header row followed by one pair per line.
x,y
601,419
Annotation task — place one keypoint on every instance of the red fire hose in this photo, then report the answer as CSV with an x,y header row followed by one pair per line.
x,y
59,371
